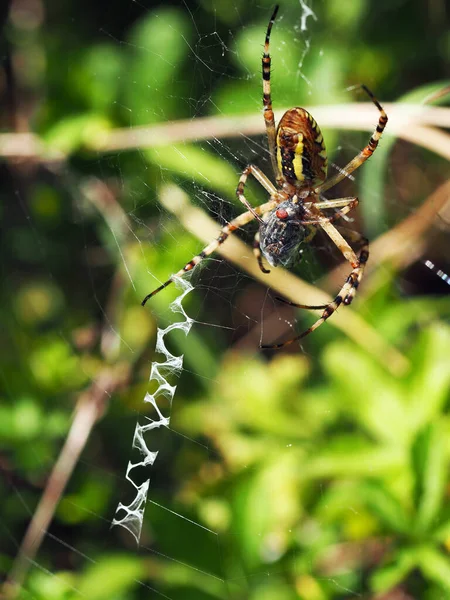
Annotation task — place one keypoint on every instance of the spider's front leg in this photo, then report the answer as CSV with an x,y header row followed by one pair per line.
x,y
365,153
226,230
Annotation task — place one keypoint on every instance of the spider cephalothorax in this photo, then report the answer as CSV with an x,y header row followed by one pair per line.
x,y
295,209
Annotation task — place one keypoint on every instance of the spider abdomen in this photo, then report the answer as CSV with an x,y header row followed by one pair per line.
x,y
301,153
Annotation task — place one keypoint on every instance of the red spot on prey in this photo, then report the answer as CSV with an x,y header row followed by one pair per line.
x,y
282,213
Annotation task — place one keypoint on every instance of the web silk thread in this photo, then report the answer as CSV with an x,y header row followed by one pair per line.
x,y
133,516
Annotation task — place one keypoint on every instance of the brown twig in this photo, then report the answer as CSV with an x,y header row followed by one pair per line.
x,y
90,407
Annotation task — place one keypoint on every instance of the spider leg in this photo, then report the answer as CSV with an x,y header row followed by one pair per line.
x,y
337,203
257,253
337,238
239,221
261,179
345,296
267,98
359,240
364,154
348,290
348,204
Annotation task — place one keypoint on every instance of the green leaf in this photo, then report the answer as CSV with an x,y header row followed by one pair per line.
x,y
396,572
421,94
266,508
77,130
198,165
370,395
435,565
159,44
350,456
430,470
110,577
430,381
386,507
442,534
48,585
102,72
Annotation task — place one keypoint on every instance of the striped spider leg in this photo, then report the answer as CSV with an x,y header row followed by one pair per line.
x,y
295,210
347,292
239,221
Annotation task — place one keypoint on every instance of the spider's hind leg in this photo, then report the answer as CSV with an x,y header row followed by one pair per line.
x,y
345,295
348,205
351,285
348,290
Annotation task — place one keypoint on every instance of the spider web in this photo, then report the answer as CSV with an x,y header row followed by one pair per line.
x,y
152,513
133,514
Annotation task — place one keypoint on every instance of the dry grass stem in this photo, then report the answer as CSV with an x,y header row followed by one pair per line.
x,y
90,408
359,117
405,120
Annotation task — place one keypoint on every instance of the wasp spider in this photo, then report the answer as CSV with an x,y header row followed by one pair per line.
x,y
295,209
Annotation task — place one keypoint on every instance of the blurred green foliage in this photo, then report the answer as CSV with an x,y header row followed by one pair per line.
x,y
315,475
